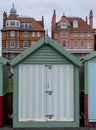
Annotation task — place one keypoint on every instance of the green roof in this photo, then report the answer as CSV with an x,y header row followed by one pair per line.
x,y
89,56
45,40
4,61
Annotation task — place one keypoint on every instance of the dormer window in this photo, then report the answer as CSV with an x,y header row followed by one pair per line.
x,y
12,23
63,25
26,25
75,24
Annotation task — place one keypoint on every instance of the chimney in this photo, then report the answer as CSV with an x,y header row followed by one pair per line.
x,y
86,19
43,21
54,20
91,18
4,18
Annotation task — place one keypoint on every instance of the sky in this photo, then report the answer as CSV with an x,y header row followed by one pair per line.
x,y
39,8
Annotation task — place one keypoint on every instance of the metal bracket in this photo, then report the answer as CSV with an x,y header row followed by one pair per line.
x,y
49,116
49,92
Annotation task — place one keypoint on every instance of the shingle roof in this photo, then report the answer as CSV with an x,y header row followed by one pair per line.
x,y
82,25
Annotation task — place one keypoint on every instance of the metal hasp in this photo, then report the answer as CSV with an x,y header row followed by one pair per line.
x,y
49,92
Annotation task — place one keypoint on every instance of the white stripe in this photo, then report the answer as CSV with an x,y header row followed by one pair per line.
x,y
37,80
43,71
55,90
30,92
61,88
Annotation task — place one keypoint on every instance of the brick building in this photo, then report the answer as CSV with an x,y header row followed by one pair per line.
x,y
74,34
19,32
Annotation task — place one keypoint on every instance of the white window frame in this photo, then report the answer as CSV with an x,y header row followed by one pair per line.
x,y
25,44
12,33
89,34
82,34
75,24
82,43
63,25
33,34
9,23
88,44
38,34
12,44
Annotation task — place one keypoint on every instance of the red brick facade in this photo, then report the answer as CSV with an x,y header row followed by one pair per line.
x,y
74,34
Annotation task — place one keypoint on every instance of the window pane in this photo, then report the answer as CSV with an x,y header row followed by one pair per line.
x,y
12,23
26,25
82,34
89,44
12,33
25,44
30,25
82,44
75,24
89,34
12,44
75,44
25,33
33,34
64,25
64,33
64,44
38,34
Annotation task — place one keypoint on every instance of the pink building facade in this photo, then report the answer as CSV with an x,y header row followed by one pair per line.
x,y
74,34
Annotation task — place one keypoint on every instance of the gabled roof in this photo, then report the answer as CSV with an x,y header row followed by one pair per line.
x,y
48,41
89,56
4,61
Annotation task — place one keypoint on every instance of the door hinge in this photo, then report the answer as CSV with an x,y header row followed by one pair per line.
x,y
49,116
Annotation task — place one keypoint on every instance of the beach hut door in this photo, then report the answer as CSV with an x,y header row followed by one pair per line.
x,y
92,92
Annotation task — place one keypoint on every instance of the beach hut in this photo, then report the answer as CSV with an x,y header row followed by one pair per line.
x,y
4,67
89,65
46,86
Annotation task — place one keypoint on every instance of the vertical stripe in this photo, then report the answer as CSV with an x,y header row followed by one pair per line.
x,y
43,71
34,103
36,80
65,94
55,90
30,91
61,85
33,92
